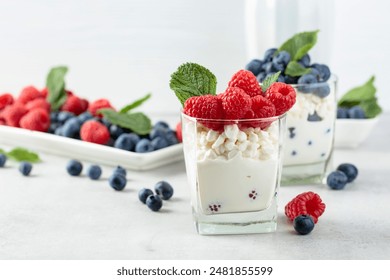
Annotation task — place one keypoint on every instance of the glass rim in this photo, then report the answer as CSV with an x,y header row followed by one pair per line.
x,y
233,121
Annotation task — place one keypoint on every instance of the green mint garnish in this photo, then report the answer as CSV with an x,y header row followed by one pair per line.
x,y
295,69
269,81
55,84
364,96
300,44
192,79
135,104
21,154
137,122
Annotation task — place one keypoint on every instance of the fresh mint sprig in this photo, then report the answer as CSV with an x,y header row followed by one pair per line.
x,y
269,81
363,96
135,104
192,79
295,69
55,83
137,122
21,154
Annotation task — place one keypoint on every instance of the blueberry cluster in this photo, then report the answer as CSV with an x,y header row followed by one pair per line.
x,y
68,124
24,166
355,112
345,173
274,61
163,191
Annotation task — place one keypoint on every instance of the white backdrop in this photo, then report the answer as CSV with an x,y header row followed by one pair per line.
x,y
122,49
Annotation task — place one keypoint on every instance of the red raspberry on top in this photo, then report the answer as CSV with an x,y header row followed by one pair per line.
x,y
28,94
246,81
307,203
262,108
99,104
13,113
75,105
94,132
282,96
37,119
5,100
38,103
235,102
45,92
205,107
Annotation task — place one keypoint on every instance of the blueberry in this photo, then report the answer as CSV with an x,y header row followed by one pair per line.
x,y
53,117
290,80
143,146
342,113
86,116
321,90
269,54
161,124
143,194
64,116
254,66
268,68
164,189
277,67
25,168
306,83
303,224
3,159
291,131
74,167
356,112
120,170
53,127
117,181
315,73
71,128
116,131
154,202
157,132
281,79
171,137
337,180
159,143
314,117
282,58
324,71
305,60
94,172
58,131
350,170
261,77
127,141
106,122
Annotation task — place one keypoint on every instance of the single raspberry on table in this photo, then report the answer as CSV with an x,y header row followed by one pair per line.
x,y
13,113
75,105
5,100
99,104
235,103
205,107
94,132
307,203
282,96
38,103
37,119
246,81
28,94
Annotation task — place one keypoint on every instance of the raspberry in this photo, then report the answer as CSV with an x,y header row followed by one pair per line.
x,y
94,132
75,105
37,119
38,103
246,81
307,203
29,93
179,133
99,104
205,107
45,92
282,96
261,108
5,100
13,113
235,103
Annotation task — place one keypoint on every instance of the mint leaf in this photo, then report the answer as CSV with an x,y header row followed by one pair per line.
x,y
371,107
295,69
300,44
269,81
55,84
137,122
358,94
21,154
135,104
2,152
192,79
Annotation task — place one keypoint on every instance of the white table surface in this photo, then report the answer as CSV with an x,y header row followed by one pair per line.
x,y
51,215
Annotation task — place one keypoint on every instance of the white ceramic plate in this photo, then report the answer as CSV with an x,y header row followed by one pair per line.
x,y
71,148
350,133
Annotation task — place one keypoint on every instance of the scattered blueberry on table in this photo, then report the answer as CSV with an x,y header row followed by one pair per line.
x,y
74,167
143,194
303,224
164,190
3,160
120,170
337,180
350,170
25,168
117,181
94,172
154,202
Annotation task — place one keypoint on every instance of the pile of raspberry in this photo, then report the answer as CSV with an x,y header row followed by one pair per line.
x,y
307,203
31,110
242,100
